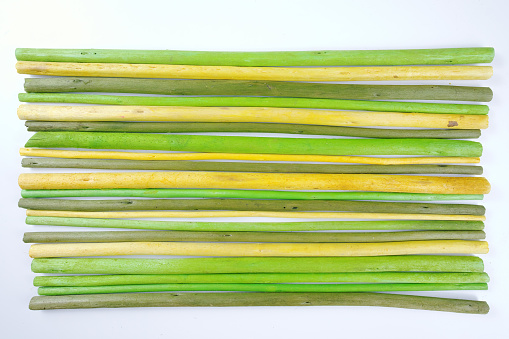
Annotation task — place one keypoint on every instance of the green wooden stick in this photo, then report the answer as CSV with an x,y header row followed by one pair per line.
x,y
299,237
442,56
257,299
261,278
278,288
247,205
439,225
241,127
401,263
382,106
245,194
263,145
257,88
182,165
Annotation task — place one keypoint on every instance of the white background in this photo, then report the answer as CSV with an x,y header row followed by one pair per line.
x,y
250,25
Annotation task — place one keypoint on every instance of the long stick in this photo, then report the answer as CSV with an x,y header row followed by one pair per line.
x,y
185,127
264,145
256,73
276,288
437,225
247,205
123,155
180,165
409,263
302,237
257,103
446,56
258,88
246,194
261,278
260,181
258,249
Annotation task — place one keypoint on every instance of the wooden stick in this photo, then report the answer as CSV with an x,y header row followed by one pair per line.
x,y
254,214
264,145
276,288
247,205
246,194
250,104
52,153
446,56
260,181
302,237
180,165
258,249
409,263
432,225
185,127
256,73
258,88
261,278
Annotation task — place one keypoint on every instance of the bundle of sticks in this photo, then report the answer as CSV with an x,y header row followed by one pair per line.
x,y
369,177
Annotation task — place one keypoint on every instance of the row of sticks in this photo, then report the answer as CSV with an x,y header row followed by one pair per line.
x,y
286,263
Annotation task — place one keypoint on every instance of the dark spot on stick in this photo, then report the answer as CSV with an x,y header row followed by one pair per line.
x,y
452,123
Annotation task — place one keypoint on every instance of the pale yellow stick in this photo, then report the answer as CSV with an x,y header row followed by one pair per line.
x,y
52,153
270,181
259,249
256,73
250,114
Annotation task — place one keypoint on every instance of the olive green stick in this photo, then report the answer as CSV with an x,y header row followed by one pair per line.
x,y
257,88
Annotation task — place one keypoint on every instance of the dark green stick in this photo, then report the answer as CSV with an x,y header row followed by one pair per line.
x,y
442,56
263,145
257,88
261,278
241,127
438,225
364,105
248,205
257,299
299,237
180,165
399,263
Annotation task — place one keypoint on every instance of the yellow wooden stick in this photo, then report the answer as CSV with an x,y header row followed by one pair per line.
x,y
256,73
269,181
259,249
250,114
251,214
52,153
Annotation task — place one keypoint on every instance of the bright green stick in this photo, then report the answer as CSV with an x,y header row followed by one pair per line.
x,y
442,56
381,106
305,288
261,278
401,263
246,194
261,145
260,226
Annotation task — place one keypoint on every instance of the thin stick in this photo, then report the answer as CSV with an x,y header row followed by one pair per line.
x,y
270,145
256,73
258,88
261,278
276,288
409,263
180,165
52,153
247,205
446,56
300,237
260,181
258,249
257,104
246,194
261,226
